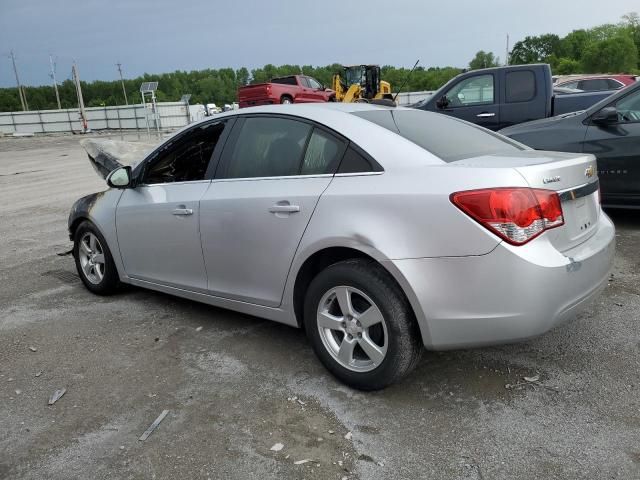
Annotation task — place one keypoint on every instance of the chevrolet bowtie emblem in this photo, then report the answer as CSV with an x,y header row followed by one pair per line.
x,y
590,171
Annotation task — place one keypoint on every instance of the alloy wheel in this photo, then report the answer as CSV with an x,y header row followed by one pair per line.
x,y
352,328
91,257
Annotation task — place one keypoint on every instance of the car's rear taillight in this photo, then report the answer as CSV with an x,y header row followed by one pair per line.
x,y
515,214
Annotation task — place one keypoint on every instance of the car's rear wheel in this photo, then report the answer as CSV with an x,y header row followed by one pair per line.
x,y
94,261
286,100
361,325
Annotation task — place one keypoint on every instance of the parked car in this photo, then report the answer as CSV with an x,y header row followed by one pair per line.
x,y
610,130
291,89
565,90
378,230
496,98
592,83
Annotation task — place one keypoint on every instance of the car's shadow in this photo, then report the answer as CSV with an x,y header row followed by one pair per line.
x,y
288,356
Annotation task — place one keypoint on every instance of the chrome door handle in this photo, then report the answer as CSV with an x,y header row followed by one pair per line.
x,y
485,115
183,211
284,208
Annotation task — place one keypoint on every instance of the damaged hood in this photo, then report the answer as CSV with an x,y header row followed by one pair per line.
x,y
106,155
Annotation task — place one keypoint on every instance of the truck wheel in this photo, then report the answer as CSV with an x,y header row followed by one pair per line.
x,y
361,325
285,100
332,99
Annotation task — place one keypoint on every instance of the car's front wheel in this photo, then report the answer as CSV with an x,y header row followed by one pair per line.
x,y
361,325
94,261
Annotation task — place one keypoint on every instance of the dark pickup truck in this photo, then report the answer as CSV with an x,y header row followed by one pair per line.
x,y
499,97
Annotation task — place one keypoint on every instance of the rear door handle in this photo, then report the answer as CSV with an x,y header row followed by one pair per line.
x,y
282,208
485,115
182,211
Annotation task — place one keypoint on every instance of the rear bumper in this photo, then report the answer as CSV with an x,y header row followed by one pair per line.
x,y
510,294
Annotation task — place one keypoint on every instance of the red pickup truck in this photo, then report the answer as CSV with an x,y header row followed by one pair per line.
x,y
291,89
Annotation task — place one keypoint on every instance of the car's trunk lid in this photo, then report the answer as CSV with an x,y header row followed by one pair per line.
x,y
573,176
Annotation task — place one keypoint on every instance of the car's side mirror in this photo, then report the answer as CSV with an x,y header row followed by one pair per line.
x,y
120,177
606,116
443,102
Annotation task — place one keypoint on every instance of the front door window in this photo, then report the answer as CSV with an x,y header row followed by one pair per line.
x,y
476,90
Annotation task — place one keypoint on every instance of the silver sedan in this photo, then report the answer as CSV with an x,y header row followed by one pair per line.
x,y
378,230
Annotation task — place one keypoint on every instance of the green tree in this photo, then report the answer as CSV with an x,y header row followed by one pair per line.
x,y
484,60
536,49
611,55
566,66
574,43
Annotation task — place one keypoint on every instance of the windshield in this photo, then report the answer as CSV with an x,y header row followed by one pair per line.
x,y
353,76
447,138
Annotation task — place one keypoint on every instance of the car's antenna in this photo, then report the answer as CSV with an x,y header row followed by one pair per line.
x,y
406,80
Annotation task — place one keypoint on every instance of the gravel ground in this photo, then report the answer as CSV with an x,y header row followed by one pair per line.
x,y
236,385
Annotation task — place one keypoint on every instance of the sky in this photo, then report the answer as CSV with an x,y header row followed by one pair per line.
x,y
156,36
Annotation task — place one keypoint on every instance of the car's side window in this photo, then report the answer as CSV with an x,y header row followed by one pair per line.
x,y
521,86
267,147
314,84
569,85
323,154
187,158
477,90
629,107
594,84
614,84
355,162
304,81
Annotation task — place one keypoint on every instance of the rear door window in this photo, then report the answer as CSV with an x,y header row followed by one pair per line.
x,y
323,153
521,86
267,147
614,84
593,84
285,80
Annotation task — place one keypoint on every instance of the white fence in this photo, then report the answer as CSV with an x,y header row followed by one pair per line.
x,y
171,115
407,98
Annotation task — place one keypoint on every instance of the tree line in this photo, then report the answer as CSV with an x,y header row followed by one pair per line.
x,y
608,48
217,86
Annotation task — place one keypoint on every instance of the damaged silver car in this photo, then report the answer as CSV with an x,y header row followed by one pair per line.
x,y
378,230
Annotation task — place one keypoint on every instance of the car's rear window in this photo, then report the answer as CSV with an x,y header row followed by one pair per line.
x,y
447,138
285,80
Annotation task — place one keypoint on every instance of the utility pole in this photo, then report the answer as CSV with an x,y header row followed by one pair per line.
x,y
53,77
76,80
506,57
21,94
122,82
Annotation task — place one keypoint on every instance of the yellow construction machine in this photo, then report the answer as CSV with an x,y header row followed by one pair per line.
x,y
362,83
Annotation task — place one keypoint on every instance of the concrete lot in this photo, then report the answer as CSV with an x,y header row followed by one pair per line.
x,y
230,386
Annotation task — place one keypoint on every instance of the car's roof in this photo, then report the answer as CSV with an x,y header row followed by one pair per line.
x,y
374,139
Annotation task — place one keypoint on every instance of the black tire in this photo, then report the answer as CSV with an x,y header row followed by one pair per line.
x,y
109,282
403,345
332,99
286,99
